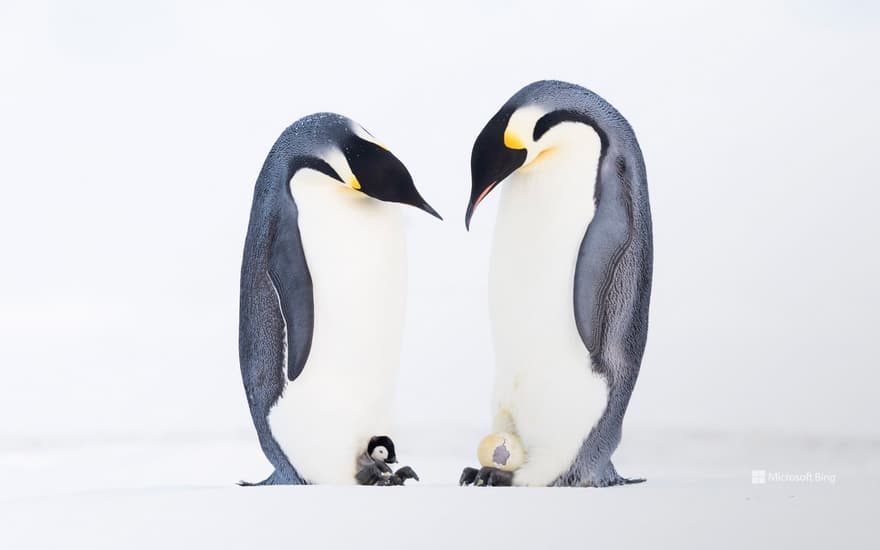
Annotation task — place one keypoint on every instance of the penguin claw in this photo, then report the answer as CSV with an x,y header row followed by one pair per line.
x,y
468,476
406,473
390,480
486,477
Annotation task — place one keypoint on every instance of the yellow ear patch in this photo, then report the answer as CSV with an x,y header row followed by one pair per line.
x,y
354,183
512,141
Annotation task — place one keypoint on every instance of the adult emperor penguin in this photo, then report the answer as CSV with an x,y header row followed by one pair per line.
x,y
570,279
323,284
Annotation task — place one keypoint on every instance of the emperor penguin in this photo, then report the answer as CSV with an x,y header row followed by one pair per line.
x,y
323,283
569,279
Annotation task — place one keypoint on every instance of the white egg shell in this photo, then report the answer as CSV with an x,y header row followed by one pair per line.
x,y
501,450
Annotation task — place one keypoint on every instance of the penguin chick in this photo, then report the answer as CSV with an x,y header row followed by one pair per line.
x,y
373,463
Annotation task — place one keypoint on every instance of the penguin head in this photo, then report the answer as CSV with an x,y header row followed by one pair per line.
x,y
382,448
345,151
523,133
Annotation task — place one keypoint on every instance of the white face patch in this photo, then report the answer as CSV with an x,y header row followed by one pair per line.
x,y
337,161
336,158
521,128
380,453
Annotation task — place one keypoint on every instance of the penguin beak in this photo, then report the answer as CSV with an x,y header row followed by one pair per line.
x,y
474,202
413,198
381,175
492,160
430,210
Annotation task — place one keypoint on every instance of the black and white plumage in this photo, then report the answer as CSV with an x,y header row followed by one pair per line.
x,y
373,464
570,277
323,279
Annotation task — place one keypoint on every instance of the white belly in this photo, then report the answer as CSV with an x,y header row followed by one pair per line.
x,y
545,389
356,252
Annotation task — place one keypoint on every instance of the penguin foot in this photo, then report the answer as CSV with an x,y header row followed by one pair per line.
x,y
486,477
397,478
406,473
468,476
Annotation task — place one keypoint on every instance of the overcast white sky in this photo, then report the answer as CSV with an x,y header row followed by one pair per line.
x,y
132,134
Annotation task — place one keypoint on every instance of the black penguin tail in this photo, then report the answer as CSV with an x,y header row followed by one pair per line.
x,y
615,481
271,480
247,484
633,481
277,478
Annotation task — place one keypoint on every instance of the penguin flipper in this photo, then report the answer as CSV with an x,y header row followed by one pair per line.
x,y
293,285
601,250
612,289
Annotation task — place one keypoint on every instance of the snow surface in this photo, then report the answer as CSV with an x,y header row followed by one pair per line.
x,y
179,492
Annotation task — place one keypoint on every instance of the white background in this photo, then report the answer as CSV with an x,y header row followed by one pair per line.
x,y
132,134
132,137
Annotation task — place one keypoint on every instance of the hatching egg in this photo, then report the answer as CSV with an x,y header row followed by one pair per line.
x,y
501,450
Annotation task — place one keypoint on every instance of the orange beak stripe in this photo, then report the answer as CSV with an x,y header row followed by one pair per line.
x,y
484,193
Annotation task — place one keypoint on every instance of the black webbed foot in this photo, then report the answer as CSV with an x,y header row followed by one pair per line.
x,y
388,481
397,478
468,476
406,473
486,477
